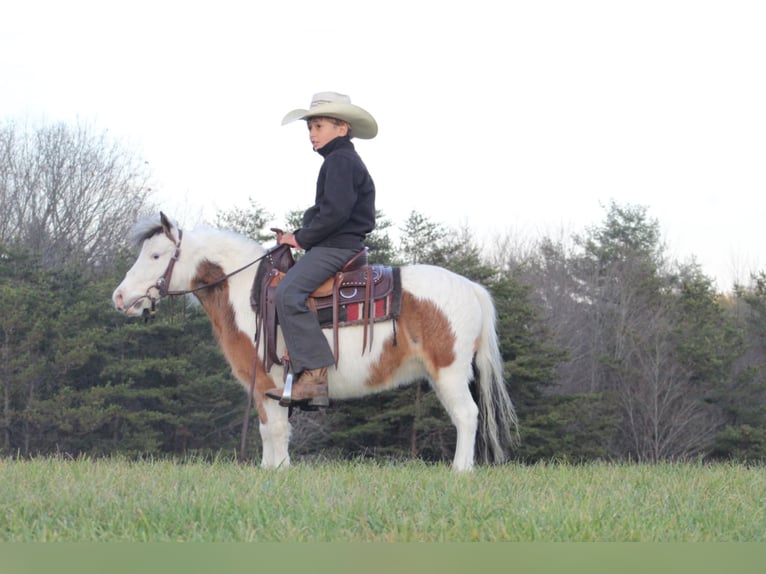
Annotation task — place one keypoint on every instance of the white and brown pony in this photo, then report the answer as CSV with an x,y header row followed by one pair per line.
x,y
445,333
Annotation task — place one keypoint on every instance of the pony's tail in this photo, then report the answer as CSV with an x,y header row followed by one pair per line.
x,y
498,425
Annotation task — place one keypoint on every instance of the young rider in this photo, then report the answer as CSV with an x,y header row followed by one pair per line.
x,y
332,232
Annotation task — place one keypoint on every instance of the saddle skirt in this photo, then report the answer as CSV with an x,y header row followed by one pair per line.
x,y
359,293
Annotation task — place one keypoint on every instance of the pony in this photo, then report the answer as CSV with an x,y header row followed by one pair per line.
x,y
445,334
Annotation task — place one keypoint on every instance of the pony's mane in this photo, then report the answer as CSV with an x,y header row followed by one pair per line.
x,y
143,229
147,227
223,232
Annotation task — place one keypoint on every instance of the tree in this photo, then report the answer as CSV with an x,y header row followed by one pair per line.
x,y
77,377
250,221
649,335
458,251
294,219
379,242
421,238
661,391
553,426
743,399
69,194
24,291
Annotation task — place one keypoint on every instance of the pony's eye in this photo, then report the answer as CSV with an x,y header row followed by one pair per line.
x,y
155,255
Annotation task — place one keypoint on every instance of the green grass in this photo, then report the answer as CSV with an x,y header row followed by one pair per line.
x,y
118,500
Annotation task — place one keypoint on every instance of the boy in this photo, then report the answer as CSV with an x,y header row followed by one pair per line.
x,y
333,231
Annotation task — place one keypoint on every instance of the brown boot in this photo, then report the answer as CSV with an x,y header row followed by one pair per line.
x,y
310,390
311,387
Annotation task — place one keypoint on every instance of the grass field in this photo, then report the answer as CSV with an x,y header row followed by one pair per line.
x,y
116,500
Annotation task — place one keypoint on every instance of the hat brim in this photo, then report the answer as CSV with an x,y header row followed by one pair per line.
x,y
361,121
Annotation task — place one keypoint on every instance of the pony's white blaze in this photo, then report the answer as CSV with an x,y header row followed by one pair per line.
x,y
130,295
446,326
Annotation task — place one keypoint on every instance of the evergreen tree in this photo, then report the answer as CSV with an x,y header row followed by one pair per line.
x,y
250,222
552,426
80,378
743,400
379,242
24,306
171,391
422,240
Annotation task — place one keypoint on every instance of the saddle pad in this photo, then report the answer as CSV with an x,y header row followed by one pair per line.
x,y
353,313
352,287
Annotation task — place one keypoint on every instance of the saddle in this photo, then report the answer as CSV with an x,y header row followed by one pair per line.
x,y
359,293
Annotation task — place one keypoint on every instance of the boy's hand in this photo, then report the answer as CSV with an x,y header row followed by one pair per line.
x,y
286,238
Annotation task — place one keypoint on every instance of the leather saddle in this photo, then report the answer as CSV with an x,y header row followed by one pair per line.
x,y
359,293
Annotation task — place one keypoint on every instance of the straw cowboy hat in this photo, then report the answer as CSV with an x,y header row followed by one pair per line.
x,y
339,106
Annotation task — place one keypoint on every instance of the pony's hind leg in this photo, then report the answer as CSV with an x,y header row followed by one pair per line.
x,y
453,392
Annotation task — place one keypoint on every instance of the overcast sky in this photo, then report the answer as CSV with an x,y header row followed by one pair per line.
x,y
520,117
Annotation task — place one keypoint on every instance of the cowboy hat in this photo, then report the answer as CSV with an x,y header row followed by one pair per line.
x,y
339,106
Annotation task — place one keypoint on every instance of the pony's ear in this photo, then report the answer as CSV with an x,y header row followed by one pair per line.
x,y
167,227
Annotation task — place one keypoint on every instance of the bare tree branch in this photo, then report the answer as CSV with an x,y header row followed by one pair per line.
x,y
69,193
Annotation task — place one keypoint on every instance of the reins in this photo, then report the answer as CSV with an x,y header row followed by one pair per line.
x,y
164,281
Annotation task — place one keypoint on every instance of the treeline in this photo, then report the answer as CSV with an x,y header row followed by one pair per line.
x,y
612,351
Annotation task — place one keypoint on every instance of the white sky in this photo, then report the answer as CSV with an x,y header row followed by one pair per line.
x,y
505,116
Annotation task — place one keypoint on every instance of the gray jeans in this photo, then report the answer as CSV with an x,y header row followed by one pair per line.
x,y
306,344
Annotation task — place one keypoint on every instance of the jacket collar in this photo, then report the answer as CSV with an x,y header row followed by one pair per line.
x,y
332,145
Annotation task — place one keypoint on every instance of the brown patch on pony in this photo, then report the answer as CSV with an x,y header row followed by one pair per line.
x,y
237,347
423,333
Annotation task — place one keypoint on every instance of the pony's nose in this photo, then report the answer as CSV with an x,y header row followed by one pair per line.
x,y
119,302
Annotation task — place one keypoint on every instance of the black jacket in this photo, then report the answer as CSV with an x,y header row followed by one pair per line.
x,y
344,208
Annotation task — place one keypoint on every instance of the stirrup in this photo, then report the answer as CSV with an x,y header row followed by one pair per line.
x,y
287,393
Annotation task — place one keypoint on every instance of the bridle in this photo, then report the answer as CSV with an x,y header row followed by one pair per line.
x,y
162,284
164,281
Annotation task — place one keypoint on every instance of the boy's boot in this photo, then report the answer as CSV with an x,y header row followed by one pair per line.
x,y
310,390
312,387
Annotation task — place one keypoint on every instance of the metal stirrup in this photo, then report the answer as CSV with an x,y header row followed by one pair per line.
x,y
287,392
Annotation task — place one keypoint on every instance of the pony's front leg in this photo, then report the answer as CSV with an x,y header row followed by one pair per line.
x,y
275,435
